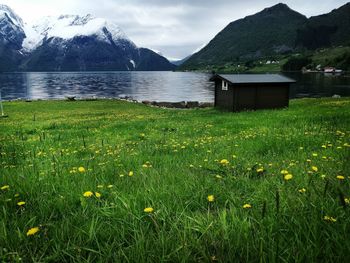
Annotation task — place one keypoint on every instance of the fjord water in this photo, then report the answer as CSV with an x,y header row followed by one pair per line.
x,y
159,86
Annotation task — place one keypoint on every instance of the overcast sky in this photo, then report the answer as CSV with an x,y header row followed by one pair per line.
x,y
176,28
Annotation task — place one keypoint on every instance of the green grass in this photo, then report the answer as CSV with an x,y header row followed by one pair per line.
x,y
42,145
336,57
263,68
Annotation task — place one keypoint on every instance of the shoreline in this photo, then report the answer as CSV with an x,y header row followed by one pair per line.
x,y
130,99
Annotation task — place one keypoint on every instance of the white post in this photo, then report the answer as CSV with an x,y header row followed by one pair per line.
x,y
1,107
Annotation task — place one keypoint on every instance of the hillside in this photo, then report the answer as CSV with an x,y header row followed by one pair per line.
x,y
272,31
272,34
326,30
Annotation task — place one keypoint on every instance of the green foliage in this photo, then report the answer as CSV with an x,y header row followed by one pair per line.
x,y
338,57
178,159
296,63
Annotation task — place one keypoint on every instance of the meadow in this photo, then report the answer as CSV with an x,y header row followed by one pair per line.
x,y
113,181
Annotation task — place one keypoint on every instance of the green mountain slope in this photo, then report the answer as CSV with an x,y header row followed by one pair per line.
x,y
327,30
273,34
272,31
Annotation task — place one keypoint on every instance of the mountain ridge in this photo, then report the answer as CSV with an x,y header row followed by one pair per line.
x,y
71,43
276,30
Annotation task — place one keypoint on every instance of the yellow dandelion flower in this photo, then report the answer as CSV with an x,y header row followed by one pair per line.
x,y
347,200
260,170
314,154
110,186
148,210
81,169
33,231
131,173
5,187
224,162
302,190
100,186
88,194
330,219
314,168
288,177
284,172
247,206
211,198
21,203
340,177
97,194
218,176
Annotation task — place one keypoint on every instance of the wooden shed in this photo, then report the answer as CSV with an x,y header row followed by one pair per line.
x,y
251,91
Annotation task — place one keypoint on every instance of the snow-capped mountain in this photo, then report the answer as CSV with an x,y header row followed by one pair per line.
x,y
74,43
11,38
66,27
5,10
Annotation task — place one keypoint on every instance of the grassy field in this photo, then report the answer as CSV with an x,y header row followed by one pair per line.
x,y
111,181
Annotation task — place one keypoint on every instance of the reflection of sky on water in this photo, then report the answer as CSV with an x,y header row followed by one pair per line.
x,y
165,86
160,86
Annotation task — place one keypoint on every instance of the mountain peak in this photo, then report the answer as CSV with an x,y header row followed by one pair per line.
x,y
4,9
67,27
278,8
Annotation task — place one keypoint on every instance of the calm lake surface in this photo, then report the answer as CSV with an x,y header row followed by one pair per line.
x,y
159,86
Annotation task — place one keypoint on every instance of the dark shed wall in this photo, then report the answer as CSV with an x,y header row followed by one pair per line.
x,y
272,96
245,97
223,98
261,96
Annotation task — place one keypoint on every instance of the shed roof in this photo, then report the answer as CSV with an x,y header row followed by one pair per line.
x,y
253,78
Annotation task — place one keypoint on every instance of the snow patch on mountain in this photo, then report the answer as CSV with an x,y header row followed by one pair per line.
x,y
11,32
67,27
5,10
